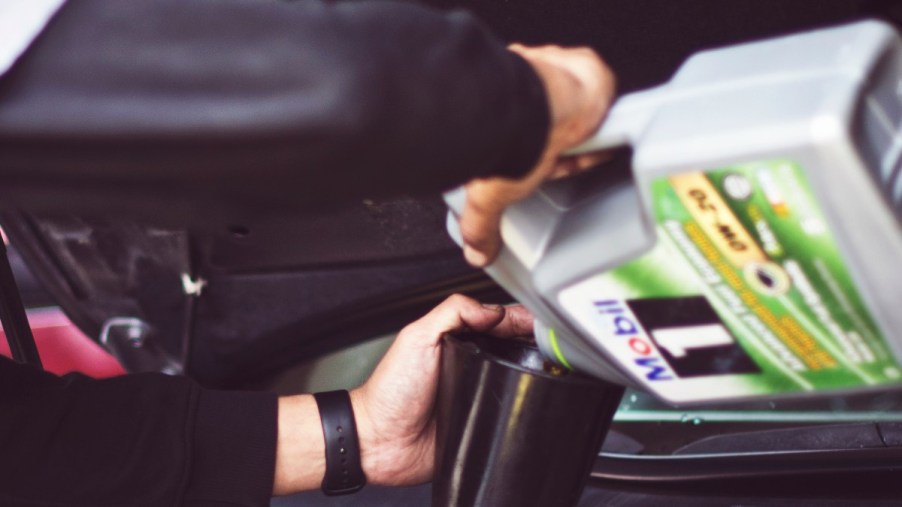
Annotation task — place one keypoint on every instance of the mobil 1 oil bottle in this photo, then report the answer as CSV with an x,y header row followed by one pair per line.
x,y
755,249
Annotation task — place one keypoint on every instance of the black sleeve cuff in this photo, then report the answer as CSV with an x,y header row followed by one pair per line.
x,y
534,119
234,452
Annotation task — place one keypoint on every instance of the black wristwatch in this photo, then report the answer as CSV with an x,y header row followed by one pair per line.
x,y
343,471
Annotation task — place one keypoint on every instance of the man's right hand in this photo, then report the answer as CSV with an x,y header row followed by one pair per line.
x,y
580,88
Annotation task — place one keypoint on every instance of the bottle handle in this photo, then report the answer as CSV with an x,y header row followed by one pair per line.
x,y
625,121
527,225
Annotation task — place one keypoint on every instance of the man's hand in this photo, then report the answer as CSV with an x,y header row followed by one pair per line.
x,y
395,407
580,88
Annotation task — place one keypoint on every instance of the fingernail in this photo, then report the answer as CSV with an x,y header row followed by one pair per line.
x,y
493,307
475,257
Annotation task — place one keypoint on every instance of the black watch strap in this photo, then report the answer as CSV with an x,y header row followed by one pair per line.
x,y
343,471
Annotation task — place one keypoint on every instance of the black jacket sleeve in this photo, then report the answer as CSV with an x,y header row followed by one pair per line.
x,y
291,104
265,103
139,440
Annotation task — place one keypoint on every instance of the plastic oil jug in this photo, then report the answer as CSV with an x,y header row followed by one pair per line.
x,y
757,248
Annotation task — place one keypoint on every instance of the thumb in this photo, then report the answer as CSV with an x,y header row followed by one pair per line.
x,y
480,222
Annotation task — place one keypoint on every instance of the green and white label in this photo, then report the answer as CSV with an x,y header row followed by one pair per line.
x,y
745,293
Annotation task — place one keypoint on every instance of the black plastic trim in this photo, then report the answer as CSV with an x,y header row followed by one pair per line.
x,y
12,315
689,469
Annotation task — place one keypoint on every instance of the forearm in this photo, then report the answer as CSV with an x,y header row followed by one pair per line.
x,y
300,452
281,103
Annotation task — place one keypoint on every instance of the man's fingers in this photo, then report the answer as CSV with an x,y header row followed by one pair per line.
x,y
458,313
575,164
517,321
589,160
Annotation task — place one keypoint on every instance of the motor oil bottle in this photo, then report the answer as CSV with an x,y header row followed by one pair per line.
x,y
756,249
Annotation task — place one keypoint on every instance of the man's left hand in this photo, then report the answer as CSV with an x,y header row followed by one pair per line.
x,y
395,407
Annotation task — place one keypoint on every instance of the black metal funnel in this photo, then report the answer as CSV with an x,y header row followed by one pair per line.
x,y
512,431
